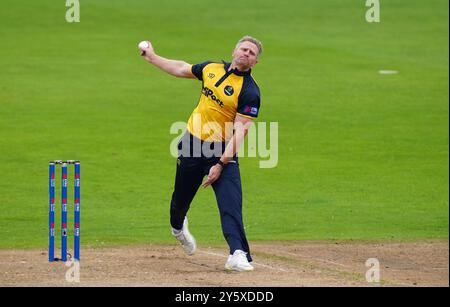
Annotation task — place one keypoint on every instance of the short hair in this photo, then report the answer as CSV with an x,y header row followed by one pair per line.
x,y
253,40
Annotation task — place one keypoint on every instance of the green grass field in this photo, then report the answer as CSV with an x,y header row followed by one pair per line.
x,y
361,155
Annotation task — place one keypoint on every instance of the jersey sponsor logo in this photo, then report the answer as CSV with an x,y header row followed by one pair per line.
x,y
228,90
210,94
251,110
211,75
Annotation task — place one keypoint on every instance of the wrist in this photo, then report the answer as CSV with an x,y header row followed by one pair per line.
x,y
150,56
221,164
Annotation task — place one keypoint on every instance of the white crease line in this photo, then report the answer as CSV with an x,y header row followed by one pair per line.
x,y
214,254
269,267
255,263
322,260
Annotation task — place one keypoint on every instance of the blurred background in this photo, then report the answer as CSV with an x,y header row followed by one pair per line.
x,y
362,155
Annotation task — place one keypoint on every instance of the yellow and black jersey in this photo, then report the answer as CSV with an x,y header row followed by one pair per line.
x,y
225,93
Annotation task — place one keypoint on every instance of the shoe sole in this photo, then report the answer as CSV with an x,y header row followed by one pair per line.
x,y
195,244
192,252
234,270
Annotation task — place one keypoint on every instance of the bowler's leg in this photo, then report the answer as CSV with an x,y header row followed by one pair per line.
x,y
228,192
188,178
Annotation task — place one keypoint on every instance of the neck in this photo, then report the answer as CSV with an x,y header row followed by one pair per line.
x,y
239,67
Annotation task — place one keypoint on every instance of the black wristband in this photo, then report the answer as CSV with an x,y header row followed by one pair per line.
x,y
221,163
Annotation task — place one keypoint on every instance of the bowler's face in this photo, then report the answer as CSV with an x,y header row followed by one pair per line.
x,y
246,55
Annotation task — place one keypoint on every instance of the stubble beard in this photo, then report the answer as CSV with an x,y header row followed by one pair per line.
x,y
242,64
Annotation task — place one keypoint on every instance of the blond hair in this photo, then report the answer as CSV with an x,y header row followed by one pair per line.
x,y
253,40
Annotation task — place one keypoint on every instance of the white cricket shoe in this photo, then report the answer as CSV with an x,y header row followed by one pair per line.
x,y
238,262
186,239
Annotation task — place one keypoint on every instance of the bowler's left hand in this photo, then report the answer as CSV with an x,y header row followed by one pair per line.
x,y
214,174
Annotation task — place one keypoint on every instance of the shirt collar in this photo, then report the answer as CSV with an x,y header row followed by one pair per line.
x,y
227,65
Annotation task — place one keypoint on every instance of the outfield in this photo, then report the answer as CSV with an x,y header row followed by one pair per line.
x,y
362,156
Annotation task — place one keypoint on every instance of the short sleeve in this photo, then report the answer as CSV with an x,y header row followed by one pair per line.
x,y
249,101
197,69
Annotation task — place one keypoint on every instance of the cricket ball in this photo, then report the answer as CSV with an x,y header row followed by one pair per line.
x,y
143,45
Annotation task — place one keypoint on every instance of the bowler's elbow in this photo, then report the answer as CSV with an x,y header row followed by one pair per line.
x,y
184,71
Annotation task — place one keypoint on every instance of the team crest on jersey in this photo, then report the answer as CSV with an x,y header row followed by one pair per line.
x,y
228,90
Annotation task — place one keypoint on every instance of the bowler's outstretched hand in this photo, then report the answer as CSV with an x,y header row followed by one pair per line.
x,y
146,48
214,174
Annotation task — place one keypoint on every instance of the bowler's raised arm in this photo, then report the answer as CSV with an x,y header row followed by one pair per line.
x,y
175,68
